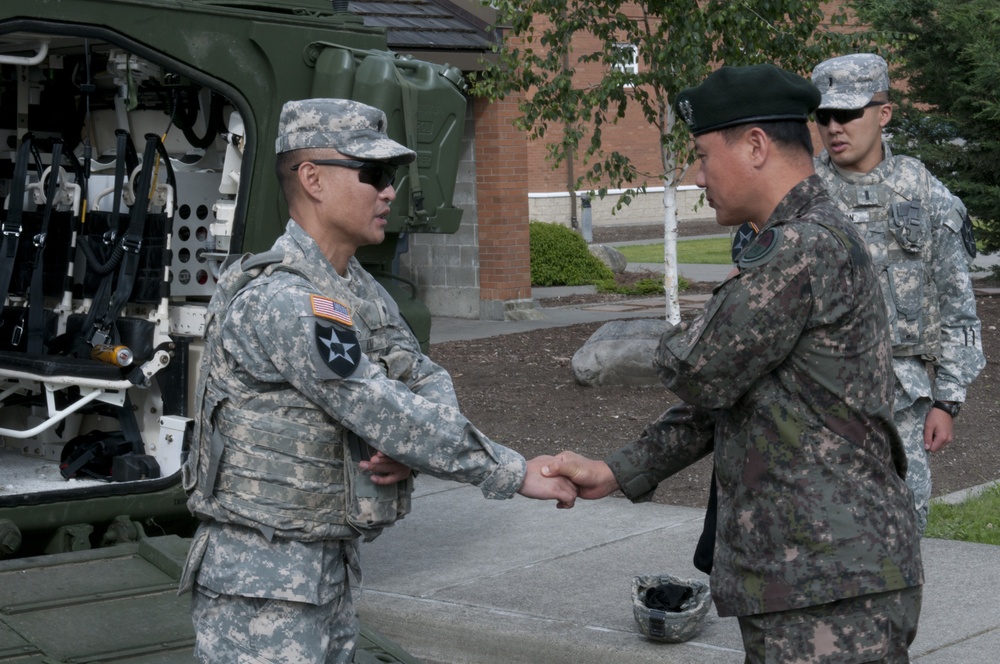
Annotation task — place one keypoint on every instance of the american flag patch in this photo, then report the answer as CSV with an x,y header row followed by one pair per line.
x,y
324,307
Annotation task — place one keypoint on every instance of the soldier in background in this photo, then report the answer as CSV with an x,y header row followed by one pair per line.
x,y
313,403
787,377
920,238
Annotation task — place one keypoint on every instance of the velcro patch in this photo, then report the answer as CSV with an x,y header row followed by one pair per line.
x,y
762,248
324,307
968,236
339,349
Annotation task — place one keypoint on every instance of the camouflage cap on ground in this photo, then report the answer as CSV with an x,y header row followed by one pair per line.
x,y
851,81
349,127
732,96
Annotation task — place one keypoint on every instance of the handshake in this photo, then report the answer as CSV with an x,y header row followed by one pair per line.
x,y
563,477
566,477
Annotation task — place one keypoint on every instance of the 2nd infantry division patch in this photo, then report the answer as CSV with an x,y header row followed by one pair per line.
x,y
339,349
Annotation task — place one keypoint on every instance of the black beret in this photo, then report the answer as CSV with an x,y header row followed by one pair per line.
x,y
732,96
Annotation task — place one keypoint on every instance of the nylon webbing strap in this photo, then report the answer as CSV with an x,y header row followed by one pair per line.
x,y
12,224
36,296
409,96
124,151
131,242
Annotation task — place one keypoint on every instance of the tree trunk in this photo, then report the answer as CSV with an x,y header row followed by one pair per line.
x,y
670,278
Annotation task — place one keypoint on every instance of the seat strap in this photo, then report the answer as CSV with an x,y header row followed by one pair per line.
x,y
36,296
131,243
12,226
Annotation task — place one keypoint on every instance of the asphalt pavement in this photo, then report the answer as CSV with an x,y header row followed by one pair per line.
x,y
465,580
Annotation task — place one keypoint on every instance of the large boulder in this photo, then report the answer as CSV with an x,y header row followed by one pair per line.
x,y
620,353
610,256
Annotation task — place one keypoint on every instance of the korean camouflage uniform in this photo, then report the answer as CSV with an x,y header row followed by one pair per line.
x,y
300,363
787,377
913,227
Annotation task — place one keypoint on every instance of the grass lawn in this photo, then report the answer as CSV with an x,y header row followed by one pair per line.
x,y
716,251
976,519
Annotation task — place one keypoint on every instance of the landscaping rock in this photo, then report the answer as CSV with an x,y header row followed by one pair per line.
x,y
620,353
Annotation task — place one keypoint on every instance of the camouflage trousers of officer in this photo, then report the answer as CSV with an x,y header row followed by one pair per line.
x,y
870,628
249,630
910,421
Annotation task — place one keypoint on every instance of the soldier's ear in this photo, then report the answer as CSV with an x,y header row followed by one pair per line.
x,y
308,176
758,144
884,114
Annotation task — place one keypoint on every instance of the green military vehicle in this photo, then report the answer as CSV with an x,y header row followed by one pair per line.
x,y
136,160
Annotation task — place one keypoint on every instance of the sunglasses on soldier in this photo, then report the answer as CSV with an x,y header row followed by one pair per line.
x,y
376,173
843,115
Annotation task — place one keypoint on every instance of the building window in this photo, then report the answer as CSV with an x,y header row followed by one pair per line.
x,y
628,58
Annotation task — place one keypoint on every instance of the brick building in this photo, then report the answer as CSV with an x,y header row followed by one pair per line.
x,y
483,270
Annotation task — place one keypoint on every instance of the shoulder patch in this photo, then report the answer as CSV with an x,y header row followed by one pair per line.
x,y
762,248
968,236
324,307
743,237
339,349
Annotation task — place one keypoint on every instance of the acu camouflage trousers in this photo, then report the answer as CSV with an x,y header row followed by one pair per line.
x,y
910,421
250,630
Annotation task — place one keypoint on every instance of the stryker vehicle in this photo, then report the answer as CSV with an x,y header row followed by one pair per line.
x,y
136,160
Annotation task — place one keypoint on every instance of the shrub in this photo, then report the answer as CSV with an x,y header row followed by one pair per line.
x,y
560,257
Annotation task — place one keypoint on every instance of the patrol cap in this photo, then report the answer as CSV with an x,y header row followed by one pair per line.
x,y
850,81
349,127
732,96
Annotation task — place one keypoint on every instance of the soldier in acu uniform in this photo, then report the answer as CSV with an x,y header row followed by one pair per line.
x,y
314,401
787,377
920,238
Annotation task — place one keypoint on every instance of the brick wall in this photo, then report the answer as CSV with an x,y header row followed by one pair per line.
x,y
483,270
501,186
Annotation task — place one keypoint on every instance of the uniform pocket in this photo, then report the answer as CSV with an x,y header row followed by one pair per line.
x,y
906,286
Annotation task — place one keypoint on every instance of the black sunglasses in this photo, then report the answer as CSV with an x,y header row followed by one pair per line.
x,y
376,173
843,115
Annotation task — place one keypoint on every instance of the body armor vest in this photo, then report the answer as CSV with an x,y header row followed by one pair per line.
x,y
294,477
888,208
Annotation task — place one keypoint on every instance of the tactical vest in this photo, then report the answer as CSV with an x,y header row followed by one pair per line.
x,y
889,208
239,471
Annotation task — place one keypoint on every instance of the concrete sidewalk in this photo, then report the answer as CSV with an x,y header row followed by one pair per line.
x,y
464,580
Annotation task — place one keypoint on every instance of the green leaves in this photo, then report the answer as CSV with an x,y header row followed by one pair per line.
x,y
573,84
949,53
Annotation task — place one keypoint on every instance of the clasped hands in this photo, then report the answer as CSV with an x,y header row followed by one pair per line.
x,y
566,477
563,477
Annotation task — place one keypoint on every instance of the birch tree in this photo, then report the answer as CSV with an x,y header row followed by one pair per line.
x,y
677,43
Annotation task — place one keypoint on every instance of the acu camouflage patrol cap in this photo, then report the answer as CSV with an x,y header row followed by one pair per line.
x,y
349,127
851,81
732,96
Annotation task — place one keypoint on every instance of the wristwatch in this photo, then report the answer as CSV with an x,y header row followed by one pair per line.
x,y
950,407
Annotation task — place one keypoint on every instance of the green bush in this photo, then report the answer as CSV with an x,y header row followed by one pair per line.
x,y
560,257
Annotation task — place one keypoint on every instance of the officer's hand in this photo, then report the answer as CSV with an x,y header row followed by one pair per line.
x,y
556,488
938,430
385,469
593,478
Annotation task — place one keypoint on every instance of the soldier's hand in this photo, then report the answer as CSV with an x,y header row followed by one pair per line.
x,y
593,478
939,429
385,470
538,486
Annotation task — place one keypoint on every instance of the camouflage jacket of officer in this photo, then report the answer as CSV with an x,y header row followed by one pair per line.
x,y
920,238
333,353
787,374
